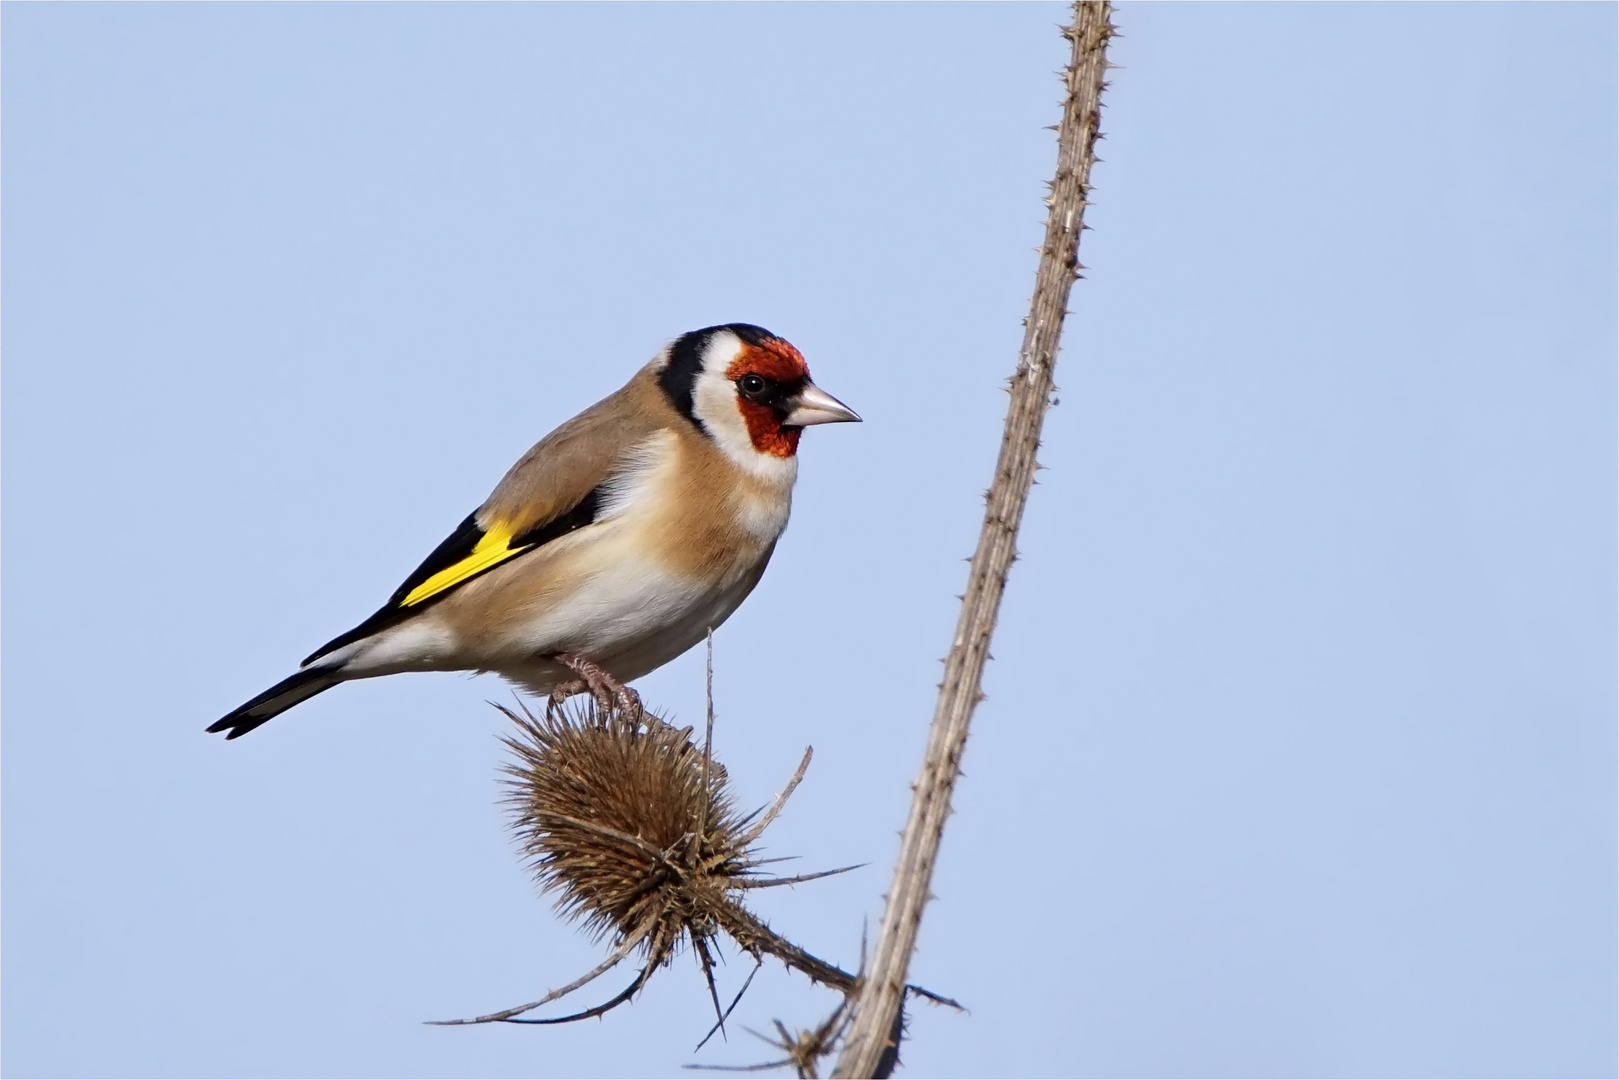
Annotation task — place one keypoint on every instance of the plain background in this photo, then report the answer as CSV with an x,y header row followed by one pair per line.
x,y
1299,754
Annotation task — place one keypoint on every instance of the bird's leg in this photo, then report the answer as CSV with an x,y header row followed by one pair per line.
x,y
607,690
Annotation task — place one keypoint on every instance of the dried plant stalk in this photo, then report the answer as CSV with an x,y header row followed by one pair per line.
x,y
804,1050
870,1049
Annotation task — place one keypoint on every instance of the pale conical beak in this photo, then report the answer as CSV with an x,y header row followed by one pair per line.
x,y
813,405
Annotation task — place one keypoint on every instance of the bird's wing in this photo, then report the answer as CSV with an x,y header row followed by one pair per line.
x,y
554,489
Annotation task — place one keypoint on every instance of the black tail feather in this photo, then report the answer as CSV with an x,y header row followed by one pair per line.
x,y
275,701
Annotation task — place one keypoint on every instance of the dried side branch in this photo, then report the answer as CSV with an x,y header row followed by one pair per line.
x,y
753,935
625,948
771,883
871,1046
719,1023
804,1050
780,804
598,1010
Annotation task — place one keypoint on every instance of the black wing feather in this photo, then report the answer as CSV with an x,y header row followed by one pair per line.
x,y
456,547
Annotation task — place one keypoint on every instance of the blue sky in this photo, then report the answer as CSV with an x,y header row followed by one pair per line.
x,y
1299,751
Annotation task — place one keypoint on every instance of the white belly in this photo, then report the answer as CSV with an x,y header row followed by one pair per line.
x,y
631,621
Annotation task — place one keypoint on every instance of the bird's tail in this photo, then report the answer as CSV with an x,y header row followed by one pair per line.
x,y
275,701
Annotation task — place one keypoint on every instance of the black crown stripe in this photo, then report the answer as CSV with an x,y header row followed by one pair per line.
x,y
679,376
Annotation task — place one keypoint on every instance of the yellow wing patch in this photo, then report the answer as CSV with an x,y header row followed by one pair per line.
x,y
494,547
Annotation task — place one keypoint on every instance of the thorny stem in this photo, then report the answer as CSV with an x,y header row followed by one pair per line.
x,y
869,1048
708,742
757,938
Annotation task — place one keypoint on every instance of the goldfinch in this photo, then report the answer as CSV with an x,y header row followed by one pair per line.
x,y
611,547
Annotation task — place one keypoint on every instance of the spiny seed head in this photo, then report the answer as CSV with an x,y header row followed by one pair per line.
x,y
632,828
621,824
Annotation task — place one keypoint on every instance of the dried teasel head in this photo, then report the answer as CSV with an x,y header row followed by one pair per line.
x,y
630,827
622,822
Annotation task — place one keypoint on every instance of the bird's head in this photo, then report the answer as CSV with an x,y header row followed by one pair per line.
x,y
748,390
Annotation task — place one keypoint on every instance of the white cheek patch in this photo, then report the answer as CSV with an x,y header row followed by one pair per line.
x,y
714,403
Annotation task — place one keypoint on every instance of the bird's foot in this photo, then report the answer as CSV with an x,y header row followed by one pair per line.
x,y
594,679
562,693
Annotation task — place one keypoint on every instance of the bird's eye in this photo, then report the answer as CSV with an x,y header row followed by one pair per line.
x,y
753,386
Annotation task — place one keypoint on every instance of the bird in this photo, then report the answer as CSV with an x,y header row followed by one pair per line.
x,y
619,541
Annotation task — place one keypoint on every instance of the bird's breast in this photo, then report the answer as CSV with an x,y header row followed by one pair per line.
x,y
700,516
680,545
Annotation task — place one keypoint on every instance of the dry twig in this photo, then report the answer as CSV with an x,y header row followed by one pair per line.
x,y
872,1044
804,1050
